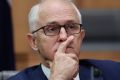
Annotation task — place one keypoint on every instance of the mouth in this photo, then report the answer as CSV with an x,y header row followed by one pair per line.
x,y
69,49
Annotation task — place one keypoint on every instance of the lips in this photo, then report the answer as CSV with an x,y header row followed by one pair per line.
x,y
69,47
55,48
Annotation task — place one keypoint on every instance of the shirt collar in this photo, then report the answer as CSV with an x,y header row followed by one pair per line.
x,y
47,72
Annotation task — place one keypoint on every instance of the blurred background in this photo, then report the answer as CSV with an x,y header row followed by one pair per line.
x,y
101,20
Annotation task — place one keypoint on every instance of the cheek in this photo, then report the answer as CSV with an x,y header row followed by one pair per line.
x,y
77,43
45,46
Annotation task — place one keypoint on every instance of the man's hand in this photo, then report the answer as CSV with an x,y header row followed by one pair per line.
x,y
65,65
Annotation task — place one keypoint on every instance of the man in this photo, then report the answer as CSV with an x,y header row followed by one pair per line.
x,y
56,33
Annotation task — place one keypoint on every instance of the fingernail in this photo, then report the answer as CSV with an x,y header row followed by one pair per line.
x,y
71,37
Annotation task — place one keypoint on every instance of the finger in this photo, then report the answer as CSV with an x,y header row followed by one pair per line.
x,y
76,59
73,56
62,47
76,72
49,63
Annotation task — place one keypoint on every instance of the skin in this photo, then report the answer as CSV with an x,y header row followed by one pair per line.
x,y
60,53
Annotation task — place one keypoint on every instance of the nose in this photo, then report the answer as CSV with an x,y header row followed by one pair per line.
x,y
62,35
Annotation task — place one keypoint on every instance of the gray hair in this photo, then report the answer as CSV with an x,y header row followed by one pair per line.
x,y
33,17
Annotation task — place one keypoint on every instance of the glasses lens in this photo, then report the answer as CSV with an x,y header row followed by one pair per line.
x,y
72,28
52,29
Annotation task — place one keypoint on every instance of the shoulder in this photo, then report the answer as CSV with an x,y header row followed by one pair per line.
x,y
109,69
101,63
25,74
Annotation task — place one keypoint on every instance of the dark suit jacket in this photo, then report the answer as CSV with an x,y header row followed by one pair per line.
x,y
89,70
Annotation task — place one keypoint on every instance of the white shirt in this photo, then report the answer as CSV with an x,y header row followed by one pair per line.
x,y
47,72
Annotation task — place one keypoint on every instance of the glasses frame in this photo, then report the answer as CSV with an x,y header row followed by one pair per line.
x,y
81,27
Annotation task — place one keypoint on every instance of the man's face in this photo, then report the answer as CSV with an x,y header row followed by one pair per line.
x,y
58,14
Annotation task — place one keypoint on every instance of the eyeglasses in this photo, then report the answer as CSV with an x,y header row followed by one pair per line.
x,y
54,29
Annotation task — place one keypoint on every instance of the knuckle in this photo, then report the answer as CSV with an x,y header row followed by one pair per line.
x,y
62,44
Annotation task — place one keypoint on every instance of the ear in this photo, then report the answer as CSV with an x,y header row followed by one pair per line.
x,y
82,33
32,41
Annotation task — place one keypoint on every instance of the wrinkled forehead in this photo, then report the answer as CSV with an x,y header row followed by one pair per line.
x,y
51,10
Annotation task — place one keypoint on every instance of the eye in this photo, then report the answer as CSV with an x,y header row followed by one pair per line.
x,y
71,26
51,28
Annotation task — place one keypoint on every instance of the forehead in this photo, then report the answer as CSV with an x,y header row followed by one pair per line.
x,y
60,12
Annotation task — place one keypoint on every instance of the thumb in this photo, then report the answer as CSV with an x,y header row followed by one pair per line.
x,y
49,63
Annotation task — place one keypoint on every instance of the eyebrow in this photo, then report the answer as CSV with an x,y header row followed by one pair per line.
x,y
67,22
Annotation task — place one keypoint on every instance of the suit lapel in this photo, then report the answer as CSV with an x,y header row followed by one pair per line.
x,y
38,74
89,72
84,73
